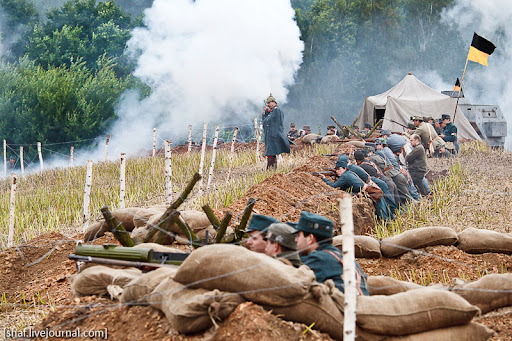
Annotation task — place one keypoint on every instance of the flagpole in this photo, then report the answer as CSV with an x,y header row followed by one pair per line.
x,y
461,82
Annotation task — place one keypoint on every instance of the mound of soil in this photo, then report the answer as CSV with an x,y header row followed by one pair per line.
x,y
284,196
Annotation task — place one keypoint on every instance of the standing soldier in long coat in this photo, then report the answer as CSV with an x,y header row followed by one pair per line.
x,y
276,141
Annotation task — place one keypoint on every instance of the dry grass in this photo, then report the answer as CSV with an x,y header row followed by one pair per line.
x,y
477,193
53,200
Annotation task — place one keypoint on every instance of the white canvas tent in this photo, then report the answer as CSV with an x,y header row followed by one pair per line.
x,y
408,98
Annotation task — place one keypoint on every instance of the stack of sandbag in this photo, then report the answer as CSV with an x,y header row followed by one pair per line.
x,y
421,314
329,139
384,285
287,291
417,239
140,289
364,246
473,240
488,293
97,280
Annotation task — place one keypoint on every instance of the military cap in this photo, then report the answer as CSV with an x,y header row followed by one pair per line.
x,y
282,234
260,222
306,128
315,224
292,125
411,125
427,118
355,127
368,125
331,127
385,132
359,155
380,141
417,118
271,99
342,161
370,145
446,117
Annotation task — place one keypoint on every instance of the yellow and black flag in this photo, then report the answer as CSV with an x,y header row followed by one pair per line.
x,y
480,50
457,85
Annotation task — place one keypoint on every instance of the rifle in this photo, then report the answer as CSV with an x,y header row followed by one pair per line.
x,y
326,173
391,120
110,254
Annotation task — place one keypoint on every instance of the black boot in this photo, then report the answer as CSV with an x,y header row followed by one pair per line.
x,y
272,162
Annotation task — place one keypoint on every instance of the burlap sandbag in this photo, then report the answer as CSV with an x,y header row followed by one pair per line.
x,y
384,285
416,239
489,292
358,144
364,246
193,310
310,138
321,310
473,240
329,139
96,279
259,278
95,230
413,312
139,289
467,332
158,248
139,234
125,216
142,216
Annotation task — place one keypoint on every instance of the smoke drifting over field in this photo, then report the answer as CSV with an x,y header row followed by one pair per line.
x,y
206,61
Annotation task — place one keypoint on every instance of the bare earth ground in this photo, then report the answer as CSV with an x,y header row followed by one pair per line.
x,y
34,285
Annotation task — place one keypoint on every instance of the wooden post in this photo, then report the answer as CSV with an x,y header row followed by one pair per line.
x,y
212,163
203,149
117,228
40,155
154,141
106,147
223,226
71,152
5,158
87,193
22,164
349,267
257,134
231,156
10,238
189,138
168,173
122,184
211,216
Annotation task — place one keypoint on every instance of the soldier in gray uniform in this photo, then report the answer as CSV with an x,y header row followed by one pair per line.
x,y
281,243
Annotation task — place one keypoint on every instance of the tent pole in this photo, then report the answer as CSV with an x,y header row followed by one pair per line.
x,y
458,95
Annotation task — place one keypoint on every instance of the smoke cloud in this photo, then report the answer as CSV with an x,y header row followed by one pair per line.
x,y
206,61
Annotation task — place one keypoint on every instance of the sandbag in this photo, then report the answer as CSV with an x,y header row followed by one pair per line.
x,y
364,246
467,332
310,138
193,310
413,312
158,248
125,216
322,311
139,289
329,139
259,278
95,230
489,292
473,240
96,279
357,144
143,215
139,234
416,239
384,285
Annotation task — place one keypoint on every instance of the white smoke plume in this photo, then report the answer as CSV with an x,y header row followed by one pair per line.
x,y
206,61
490,19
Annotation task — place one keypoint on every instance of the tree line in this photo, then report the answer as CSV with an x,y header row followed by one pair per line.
x,y
61,74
